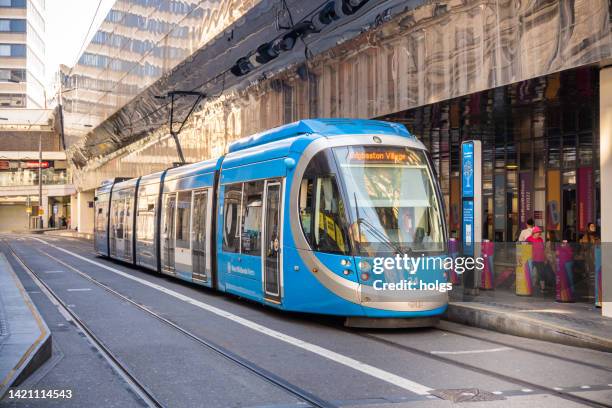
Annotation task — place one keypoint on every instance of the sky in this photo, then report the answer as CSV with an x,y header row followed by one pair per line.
x,y
67,24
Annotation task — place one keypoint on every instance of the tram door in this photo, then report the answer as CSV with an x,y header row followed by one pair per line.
x,y
272,241
198,245
118,237
170,209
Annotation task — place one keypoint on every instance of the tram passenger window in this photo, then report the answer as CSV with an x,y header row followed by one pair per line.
x,y
183,208
232,199
306,208
127,218
101,218
118,219
322,215
251,218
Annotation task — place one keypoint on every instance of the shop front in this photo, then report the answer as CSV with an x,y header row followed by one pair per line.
x,y
540,162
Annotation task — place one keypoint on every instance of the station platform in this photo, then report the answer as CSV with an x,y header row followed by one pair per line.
x,y
69,233
574,324
25,339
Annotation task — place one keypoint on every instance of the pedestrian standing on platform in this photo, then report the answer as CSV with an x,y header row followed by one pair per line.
x,y
538,256
587,243
526,233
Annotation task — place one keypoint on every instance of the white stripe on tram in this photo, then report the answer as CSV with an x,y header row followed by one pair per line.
x,y
383,375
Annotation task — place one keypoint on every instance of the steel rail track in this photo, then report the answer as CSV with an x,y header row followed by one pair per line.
x,y
115,362
266,375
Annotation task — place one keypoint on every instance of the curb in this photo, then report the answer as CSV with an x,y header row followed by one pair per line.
x,y
69,234
37,353
524,326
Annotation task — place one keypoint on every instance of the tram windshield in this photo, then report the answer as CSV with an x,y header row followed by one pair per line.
x,y
392,199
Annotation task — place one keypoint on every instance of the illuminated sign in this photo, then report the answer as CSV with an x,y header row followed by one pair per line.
x,y
34,164
384,156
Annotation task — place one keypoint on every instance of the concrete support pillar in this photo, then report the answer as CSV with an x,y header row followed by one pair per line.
x,y
605,162
46,211
74,209
85,211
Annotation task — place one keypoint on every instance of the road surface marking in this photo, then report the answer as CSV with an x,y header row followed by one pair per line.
x,y
78,290
372,371
54,271
493,350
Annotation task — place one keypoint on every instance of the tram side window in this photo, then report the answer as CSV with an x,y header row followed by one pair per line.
x,y
127,217
183,208
232,199
322,215
146,218
251,218
118,218
101,216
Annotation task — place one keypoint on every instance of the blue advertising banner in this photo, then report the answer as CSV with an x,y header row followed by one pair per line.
x,y
467,170
468,221
468,227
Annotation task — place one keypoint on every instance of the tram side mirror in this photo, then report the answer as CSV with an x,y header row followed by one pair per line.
x,y
289,163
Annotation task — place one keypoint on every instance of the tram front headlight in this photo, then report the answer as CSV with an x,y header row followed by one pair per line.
x,y
364,266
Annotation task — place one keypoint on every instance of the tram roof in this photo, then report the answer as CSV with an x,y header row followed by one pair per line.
x,y
207,166
131,183
322,127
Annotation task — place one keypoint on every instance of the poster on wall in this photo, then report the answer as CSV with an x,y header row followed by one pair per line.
x,y
525,197
471,194
467,169
553,200
585,192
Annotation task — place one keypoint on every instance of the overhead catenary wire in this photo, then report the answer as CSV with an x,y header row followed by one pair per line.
x,y
81,49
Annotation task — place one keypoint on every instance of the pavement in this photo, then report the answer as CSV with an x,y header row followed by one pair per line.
x,y
25,339
69,233
574,324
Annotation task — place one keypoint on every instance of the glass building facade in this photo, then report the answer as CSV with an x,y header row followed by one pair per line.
x,y
539,140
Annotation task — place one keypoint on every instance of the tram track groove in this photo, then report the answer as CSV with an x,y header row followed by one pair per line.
x,y
483,371
114,361
262,373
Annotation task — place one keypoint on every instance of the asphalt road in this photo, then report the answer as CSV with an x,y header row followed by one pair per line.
x,y
192,347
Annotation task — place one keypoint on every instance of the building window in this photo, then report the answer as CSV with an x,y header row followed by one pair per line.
x,y
12,75
12,25
13,3
12,50
12,101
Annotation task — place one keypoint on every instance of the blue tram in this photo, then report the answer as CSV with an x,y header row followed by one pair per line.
x,y
294,218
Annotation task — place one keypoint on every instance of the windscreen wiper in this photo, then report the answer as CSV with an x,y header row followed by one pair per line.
x,y
385,240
